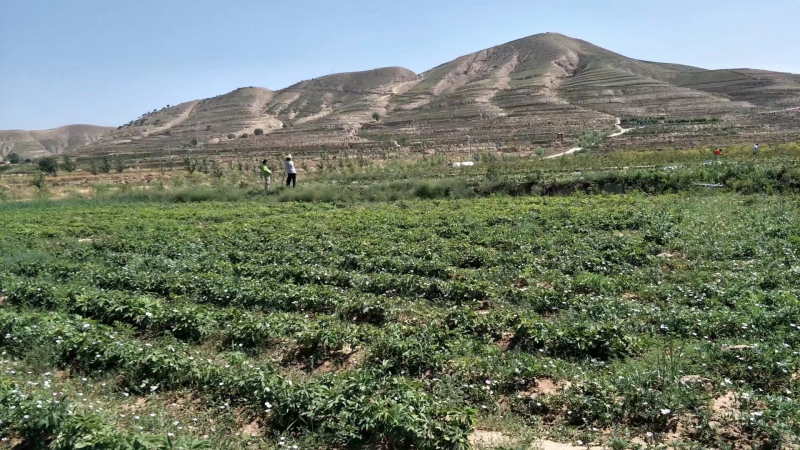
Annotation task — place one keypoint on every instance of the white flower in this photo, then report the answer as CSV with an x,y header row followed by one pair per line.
x,y
170,435
86,326
665,411
175,423
153,388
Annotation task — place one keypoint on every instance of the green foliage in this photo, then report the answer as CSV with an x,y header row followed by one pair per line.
x,y
68,164
94,167
376,117
13,158
590,139
48,165
120,165
258,132
190,164
408,324
39,180
105,164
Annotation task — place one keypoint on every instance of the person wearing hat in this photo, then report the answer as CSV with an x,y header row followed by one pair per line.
x,y
291,173
266,174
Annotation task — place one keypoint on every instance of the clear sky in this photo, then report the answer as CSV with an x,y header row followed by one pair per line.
x,y
106,62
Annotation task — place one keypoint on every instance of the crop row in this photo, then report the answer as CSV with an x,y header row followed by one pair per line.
x,y
52,422
358,406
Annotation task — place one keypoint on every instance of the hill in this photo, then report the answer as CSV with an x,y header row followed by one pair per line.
x,y
35,144
542,90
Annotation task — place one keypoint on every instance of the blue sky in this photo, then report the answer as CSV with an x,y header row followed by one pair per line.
x,y
106,62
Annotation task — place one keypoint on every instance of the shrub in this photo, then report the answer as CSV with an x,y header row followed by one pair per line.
x,y
13,158
105,166
120,165
68,164
258,132
376,116
231,136
244,135
48,165
39,180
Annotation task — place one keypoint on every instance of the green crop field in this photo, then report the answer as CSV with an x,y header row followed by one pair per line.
x,y
617,320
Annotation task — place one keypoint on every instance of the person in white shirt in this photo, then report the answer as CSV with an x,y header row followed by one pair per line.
x,y
755,150
291,173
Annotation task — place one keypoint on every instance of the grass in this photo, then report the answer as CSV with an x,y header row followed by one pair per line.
x,y
594,318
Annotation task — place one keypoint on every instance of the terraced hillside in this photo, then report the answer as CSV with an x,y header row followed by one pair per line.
x,y
35,144
540,91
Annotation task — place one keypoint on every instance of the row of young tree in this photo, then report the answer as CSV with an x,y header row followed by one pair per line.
x,y
51,165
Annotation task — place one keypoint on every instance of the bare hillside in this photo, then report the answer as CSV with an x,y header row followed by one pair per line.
x,y
542,90
35,144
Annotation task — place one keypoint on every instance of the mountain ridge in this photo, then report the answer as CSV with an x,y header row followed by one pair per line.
x,y
531,89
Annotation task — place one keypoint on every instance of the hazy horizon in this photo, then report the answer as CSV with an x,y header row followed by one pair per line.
x,y
88,63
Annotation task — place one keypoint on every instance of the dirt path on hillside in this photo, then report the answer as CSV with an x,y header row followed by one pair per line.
x,y
620,132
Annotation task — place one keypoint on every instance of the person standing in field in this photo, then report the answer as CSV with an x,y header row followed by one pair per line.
x,y
755,150
717,154
266,174
291,172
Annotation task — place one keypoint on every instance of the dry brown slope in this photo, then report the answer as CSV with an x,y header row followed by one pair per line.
x,y
36,144
344,99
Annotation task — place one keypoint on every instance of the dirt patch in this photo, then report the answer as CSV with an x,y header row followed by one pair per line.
x,y
544,444
489,439
630,296
667,255
738,348
251,429
726,406
85,240
3,299
505,341
544,387
140,404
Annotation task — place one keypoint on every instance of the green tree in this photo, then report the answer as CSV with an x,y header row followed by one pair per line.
x,y
190,164
39,181
244,135
376,116
120,165
258,132
68,164
13,158
105,166
48,165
